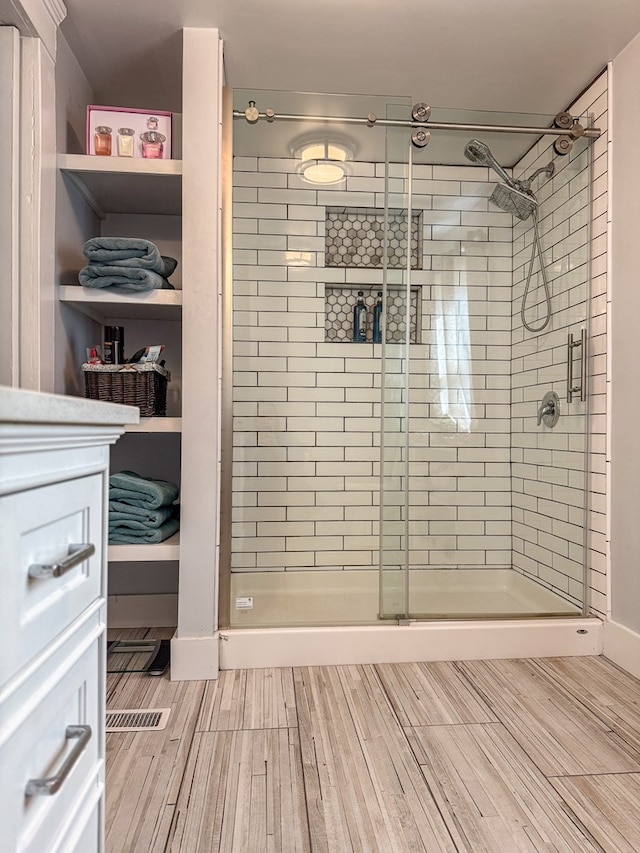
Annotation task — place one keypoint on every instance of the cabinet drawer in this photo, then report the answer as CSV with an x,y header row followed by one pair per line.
x,y
37,528
41,746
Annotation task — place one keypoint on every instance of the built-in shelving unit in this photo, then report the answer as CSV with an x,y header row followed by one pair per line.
x,y
109,196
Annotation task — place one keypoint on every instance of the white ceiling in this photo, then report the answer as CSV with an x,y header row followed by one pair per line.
x,y
514,55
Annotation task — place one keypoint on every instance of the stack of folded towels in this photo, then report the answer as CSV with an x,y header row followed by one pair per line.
x,y
128,264
141,510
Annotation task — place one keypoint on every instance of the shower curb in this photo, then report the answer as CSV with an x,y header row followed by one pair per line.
x,y
418,641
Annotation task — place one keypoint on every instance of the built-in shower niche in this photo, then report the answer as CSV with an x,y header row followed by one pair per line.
x,y
355,237
340,301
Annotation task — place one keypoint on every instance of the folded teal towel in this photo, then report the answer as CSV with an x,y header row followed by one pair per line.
x,y
130,488
125,536
131,252
125,279
125,515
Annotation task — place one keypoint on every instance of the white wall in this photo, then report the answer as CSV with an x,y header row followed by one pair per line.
x,y
625,307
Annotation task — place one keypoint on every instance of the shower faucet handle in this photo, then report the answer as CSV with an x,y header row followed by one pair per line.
x,y
549,409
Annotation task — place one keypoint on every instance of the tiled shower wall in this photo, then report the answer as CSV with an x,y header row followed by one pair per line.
x,y
548,478
307,412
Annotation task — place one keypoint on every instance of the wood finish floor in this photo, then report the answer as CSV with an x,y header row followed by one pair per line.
x,y
482,757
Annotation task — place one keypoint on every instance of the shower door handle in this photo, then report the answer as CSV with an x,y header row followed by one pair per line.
x,y
572,388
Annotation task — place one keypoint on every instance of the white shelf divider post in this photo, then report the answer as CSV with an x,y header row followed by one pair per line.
x,y
194,649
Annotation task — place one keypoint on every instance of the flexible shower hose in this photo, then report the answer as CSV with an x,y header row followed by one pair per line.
x,y
536,246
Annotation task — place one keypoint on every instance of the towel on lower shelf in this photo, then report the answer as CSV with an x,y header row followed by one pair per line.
x,y
131,252
125,536
126,279
129,487
137,518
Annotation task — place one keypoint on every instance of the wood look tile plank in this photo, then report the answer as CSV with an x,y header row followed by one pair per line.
x,y
608,805
603,688
364,789
249,699
243,792
560,735
491,795
426,694
144,770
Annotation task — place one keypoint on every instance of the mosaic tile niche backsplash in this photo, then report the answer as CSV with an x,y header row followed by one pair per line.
x,y
354,237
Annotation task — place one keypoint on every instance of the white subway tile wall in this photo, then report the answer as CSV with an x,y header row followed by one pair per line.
x,y
306,416
317,403
550,488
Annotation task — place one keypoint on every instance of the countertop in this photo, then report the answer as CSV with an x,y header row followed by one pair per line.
x,y
19,406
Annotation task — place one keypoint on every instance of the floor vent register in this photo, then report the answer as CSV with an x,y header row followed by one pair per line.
x,y
146,720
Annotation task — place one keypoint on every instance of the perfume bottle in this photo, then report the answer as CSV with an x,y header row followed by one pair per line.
x,y
360,319
102,140
377,319
125,141
152,140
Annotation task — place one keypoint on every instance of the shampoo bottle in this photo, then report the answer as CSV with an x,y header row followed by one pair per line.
x,y
377,319
360,319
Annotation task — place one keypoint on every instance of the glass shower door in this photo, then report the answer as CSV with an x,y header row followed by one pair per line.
x,y
483,501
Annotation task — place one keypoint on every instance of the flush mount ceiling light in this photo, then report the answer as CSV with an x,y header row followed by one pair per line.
x,y
323,162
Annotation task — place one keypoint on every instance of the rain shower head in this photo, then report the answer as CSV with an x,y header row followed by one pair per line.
x,y
514,201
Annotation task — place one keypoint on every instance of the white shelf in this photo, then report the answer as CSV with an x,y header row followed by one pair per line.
x,y
102,305
123,185
147,425
167,550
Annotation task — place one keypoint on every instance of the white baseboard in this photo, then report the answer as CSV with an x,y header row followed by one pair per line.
x,y
419,641
622,646
142,611
195,658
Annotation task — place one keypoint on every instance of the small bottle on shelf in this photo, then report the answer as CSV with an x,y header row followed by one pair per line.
x,y
125,141
377,319
102,141
360,319
152,140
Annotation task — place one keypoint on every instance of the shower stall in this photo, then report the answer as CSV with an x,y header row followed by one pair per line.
x,y
425,459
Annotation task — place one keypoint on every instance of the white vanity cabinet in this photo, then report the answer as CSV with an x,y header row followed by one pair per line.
x,y
54,466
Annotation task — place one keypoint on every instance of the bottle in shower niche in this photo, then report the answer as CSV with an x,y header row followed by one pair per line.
x,y
360,319
377,319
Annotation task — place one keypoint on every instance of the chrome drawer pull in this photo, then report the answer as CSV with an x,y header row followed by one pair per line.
x,y
50,786
77,554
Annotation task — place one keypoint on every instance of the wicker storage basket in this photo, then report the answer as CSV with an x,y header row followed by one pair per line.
x,y
142,385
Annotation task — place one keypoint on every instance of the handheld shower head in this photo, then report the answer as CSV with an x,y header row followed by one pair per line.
x,y
478,152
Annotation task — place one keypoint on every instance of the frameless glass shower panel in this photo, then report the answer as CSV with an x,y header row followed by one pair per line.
x,y
315,241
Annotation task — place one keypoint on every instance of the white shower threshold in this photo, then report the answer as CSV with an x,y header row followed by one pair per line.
x,y
498,613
